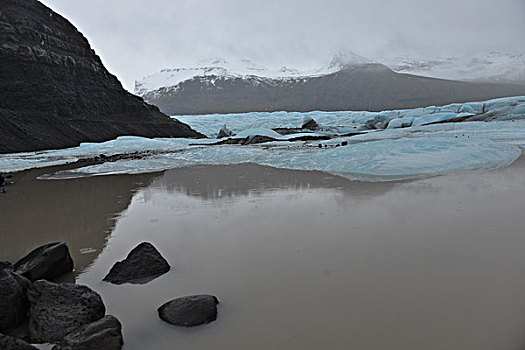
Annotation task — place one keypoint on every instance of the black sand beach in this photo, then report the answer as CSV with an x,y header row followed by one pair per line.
x,y
299,260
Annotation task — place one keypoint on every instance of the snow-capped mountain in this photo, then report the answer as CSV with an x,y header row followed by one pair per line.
x,y
348,82
497,67
344,59
221,68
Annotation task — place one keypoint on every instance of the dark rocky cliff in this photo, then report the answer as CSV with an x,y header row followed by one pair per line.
x,y
55,92
371,87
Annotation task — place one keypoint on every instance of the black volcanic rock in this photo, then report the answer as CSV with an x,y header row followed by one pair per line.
x,y
56,93
10,343
249,140
143,264
224,132
59,309
310,124
104,334
13,300
190,311
369,87
46,262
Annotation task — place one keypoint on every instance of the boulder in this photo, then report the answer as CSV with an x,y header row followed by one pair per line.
x,y
21,331
46,262
10,343
224,132
256,139
309,123
104,334
13,300
59,309
249,140
143,264
190,311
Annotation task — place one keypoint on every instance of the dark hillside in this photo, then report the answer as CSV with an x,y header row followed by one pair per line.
x,y
55,92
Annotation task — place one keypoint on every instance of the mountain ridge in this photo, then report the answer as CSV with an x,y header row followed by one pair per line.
x,y
492,67
56,93
362,86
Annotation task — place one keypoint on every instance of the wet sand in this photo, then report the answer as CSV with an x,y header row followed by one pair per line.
x,y
299,260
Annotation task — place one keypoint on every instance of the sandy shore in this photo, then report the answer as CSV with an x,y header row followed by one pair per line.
x,y
299,260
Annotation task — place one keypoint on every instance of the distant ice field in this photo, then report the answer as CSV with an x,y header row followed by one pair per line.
x,y
407,147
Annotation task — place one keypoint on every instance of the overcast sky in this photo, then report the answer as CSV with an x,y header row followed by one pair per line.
x,y
135,38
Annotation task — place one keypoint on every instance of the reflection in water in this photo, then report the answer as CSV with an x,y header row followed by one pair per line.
x,y
299,260
307,261
80,212
219,181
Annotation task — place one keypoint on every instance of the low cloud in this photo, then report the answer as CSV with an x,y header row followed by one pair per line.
x,y
135,38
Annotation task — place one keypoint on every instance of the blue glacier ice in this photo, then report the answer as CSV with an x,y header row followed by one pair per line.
x,y
437,117
258,131
404,122
407,147
349,121
385,159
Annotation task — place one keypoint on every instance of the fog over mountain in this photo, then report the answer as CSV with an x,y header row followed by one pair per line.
x,y
135,38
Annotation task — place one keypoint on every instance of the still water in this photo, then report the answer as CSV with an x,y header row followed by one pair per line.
x,y
299,260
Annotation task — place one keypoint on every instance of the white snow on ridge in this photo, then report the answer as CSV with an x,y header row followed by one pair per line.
x,y
242,68
490,67
500,67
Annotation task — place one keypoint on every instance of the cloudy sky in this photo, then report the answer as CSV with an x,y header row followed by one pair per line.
x,y
137,37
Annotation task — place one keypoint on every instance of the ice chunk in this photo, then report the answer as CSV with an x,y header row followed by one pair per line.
x,y
437,117
453,108
400,122
401,158
125,144
259,132
505,102
309,123
473,107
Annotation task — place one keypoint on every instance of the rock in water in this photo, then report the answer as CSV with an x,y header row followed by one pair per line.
x,y
59,309
56,93
190,311
10,343
13,301
143,264
46,262
224,132
104,334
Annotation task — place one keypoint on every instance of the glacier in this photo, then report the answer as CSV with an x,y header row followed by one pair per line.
x,y
408,143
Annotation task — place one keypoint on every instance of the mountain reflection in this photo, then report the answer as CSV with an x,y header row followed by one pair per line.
x,y
222,181
81,212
